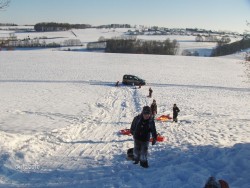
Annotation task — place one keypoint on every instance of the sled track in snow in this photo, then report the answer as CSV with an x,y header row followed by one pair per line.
x,y
87,145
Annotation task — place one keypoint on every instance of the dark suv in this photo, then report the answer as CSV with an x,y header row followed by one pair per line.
x,y
132,80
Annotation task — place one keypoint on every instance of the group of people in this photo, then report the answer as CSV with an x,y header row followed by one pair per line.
x,y
176,110
153,106
143,126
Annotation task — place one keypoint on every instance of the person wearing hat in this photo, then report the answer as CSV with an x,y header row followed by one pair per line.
x,y
142,127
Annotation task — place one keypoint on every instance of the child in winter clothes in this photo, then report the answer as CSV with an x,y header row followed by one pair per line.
x,y
154,108
141,129
176,110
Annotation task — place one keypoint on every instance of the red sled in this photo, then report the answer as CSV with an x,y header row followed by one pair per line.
x,y
159,138
223,184
125,132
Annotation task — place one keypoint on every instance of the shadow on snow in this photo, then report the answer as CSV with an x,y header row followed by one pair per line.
x,y
178,167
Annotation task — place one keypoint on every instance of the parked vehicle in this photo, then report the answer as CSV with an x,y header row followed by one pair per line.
x,y
133,80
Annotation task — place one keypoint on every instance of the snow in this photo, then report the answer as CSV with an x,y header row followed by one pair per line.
x,y
60,118
93,35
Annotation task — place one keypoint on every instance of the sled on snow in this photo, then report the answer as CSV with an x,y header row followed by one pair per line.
x,y
125,132
159,138
164,118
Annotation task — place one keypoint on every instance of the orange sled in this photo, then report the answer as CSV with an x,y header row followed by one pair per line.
x,y
163,118
125,132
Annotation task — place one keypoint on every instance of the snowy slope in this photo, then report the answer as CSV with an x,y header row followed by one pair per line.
x,y
60,117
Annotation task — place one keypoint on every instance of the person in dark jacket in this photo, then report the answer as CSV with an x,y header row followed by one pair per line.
x,y
141,128
154,108
176,110
150,92
117,83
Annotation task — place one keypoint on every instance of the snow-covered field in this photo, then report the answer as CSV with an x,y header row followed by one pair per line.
x,y
93,35
60,117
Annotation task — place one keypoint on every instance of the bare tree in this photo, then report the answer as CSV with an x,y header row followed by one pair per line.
x,y
199,38
247,32
247,36
4,4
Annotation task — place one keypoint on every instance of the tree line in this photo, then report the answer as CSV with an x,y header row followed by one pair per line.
x,y
134,46
226,49
52,26
8,24
11,42
212,38
109,26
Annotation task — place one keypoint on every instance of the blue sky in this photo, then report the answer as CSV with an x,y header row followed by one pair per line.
x,y
205,14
